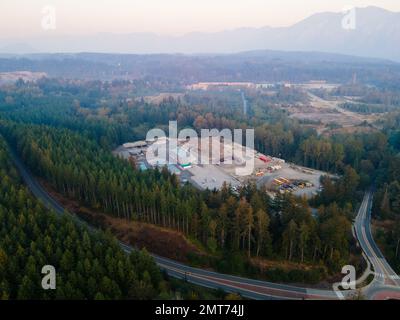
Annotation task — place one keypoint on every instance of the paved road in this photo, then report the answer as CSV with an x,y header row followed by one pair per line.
x,y
253,289
386,282
244,103
250,288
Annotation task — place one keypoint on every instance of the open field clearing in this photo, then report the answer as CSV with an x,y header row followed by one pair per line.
x,y
330,112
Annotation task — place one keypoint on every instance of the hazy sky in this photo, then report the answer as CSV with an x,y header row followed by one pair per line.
x,y
22,18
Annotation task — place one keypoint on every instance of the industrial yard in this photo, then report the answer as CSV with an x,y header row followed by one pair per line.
x,y
208,163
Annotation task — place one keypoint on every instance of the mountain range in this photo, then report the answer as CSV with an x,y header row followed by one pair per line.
x,y
376,33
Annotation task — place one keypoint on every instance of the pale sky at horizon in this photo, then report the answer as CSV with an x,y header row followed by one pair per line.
x,y
22,18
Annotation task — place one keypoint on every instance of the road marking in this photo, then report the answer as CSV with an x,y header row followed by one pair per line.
x,y
32,185
237,285
385,274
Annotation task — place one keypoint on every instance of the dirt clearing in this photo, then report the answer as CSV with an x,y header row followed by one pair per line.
x,y
161,241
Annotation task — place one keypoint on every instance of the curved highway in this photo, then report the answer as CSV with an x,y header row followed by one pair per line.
x,y
386,283
383,287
